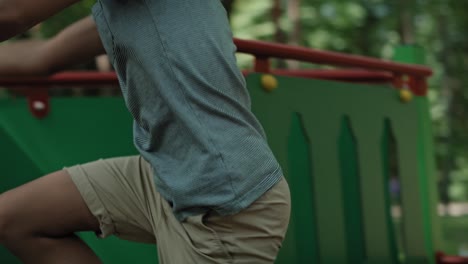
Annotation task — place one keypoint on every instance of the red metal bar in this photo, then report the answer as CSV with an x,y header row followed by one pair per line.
x,y
383,71
262,64
63,79
340,75
262,51
441,258
86,79
274,50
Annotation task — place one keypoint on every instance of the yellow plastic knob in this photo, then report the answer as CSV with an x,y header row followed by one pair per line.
x,y
269,82
406,95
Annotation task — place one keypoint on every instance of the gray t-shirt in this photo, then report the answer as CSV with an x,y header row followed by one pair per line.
x,y
176,64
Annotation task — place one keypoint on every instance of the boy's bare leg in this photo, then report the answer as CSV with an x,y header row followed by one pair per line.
x,y
38,221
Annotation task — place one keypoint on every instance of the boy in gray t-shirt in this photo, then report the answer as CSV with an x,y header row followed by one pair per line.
x,y
206,187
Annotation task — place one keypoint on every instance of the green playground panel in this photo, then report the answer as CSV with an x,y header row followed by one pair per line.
x,y
331,138
76,131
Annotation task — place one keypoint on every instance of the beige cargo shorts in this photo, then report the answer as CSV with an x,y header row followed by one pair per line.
x,y
121,194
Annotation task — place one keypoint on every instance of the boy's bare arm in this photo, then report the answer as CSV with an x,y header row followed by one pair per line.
x,y
77,43
17,16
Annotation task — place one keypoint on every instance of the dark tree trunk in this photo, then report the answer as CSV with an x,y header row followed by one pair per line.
x,y
228,6
363,41
280,35
406,21
447,93
295,36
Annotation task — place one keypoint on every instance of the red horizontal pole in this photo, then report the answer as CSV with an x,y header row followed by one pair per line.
x,y
273,50
374,69
340,75
86,78
441,258
62,79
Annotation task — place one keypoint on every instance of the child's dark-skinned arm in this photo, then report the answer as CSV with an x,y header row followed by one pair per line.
x,y
76,44
17,16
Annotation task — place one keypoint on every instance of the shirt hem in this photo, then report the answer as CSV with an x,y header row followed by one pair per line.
x,y
251,196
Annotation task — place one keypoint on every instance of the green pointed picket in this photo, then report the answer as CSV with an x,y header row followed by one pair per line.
x,y
405,130
330,223
351,189
389,153
368,130
305,224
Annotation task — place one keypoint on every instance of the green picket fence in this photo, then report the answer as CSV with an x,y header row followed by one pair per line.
x,y
333,142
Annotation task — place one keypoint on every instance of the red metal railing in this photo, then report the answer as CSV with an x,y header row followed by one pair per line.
x,y
265,50
362,76
403,75
441,258
88,78
62,79
375,69
368,70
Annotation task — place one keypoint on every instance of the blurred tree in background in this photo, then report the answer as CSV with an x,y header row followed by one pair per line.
x,y
370,28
